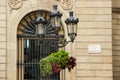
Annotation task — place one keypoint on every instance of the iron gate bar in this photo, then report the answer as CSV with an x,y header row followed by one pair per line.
x,y
18,60
39,36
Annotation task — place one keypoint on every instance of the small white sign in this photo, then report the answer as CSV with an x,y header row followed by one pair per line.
x,y
94,49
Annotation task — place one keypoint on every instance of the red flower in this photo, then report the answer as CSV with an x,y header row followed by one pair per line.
x,y
55,68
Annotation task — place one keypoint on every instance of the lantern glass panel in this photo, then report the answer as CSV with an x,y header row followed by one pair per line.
x,y
75,28
57,21
52,21
70,28
40,29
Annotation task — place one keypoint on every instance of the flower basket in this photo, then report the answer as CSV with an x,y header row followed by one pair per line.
x,y
55,62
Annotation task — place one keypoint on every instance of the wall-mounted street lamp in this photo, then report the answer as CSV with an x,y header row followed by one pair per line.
x,y
55,20
71,23
40,27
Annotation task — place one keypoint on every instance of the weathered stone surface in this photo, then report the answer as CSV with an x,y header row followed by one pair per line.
x,y
94,28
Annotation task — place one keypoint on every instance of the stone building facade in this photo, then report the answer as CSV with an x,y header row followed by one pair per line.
x,y
94,28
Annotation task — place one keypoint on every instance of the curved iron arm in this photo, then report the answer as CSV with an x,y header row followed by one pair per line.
x,y
57,44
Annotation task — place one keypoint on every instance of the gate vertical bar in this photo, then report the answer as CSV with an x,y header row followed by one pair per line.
x,y
38,54
31,60
35,57
28,58
18,59
22,58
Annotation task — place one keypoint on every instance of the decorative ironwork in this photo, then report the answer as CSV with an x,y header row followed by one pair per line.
x,y
33,50
72,26
28,26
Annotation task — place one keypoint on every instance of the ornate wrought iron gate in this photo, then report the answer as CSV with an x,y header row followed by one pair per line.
x,y
30,50
32,47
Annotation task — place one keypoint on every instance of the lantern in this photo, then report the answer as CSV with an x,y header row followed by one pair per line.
x,y
71,23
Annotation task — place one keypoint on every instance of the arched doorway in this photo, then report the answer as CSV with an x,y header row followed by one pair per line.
x,y
31,47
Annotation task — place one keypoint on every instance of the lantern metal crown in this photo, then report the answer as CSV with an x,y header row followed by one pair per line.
x,y
55,20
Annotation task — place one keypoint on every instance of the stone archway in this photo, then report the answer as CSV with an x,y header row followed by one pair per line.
x,y
13,21
31,47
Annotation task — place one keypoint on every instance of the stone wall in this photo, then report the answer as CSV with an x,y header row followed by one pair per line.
x,y
116,39
3,40
115,3
116,46
94,28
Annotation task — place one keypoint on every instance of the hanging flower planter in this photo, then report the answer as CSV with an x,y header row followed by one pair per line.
x,y
55,62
